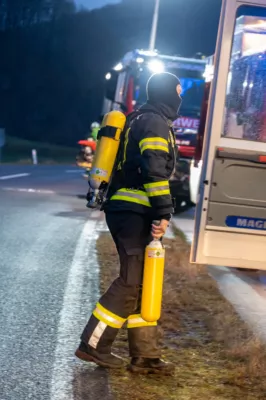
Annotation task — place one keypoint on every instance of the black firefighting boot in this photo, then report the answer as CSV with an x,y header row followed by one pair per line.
x,y
105,360
96,343
145,351
141,365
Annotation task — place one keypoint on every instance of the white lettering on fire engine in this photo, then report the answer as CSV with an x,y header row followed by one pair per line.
x,y
250,223
184,122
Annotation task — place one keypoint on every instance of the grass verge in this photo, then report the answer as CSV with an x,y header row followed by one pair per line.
x,y
19,151
216,355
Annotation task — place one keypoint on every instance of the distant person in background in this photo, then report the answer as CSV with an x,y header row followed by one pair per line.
x,y
90,149
95,127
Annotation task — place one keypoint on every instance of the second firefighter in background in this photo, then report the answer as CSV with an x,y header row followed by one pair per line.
x,y
139,194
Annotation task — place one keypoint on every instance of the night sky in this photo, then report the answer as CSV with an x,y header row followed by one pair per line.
x,y
95,3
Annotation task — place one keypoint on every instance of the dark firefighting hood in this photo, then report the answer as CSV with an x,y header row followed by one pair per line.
x,y
161,88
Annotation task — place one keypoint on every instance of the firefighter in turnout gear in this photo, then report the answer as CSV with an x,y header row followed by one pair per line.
x,y
139,194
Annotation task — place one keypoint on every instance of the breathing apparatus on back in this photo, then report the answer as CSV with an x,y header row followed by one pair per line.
x,y
105,159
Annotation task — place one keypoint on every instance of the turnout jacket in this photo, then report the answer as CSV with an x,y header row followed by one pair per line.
x,y
147,161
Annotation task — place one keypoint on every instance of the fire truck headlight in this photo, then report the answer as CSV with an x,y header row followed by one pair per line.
x,y
209,72
108,76
118,67
156,66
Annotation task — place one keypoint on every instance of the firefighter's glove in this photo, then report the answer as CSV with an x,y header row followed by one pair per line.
x,y
159,231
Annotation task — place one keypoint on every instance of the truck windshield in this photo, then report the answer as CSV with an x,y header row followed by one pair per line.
x,y
245,105
193,88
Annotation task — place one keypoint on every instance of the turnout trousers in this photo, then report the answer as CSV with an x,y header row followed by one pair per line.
x,y
120,304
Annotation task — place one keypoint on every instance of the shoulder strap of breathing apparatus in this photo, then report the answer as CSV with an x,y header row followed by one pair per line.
x,y
117,173
129,121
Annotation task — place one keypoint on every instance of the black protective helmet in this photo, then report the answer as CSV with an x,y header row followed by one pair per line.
x,y
161,88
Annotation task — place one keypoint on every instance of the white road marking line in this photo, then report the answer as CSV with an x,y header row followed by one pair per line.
x,y
96,214
102,227
28,190
3,178
248,303
84,263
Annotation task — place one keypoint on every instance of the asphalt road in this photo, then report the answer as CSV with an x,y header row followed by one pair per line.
x,y
48,284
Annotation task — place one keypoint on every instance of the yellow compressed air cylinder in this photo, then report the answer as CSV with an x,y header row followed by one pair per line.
x,y
152,290
107,148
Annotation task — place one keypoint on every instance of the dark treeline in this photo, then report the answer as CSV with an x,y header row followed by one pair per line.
x,y
53,59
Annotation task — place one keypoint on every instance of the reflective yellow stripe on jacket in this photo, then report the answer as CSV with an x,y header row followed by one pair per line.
x,y
135,321
157,188
154,143
133,196
109,318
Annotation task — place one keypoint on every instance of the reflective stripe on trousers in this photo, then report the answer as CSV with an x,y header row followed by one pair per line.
x,y
106,318
135,321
